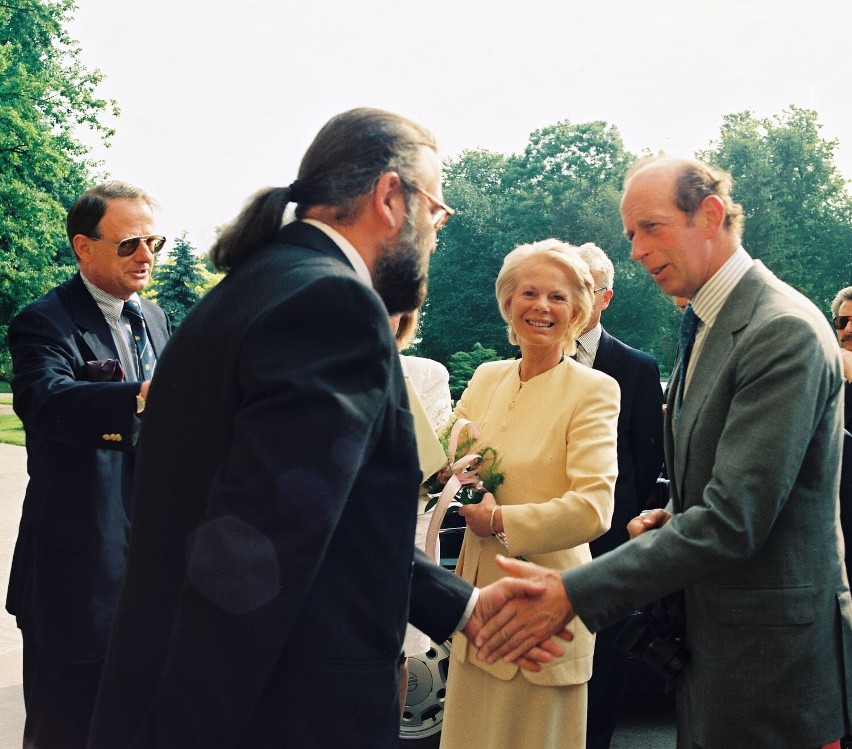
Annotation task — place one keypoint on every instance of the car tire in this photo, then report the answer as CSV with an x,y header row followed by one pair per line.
x,y
423,714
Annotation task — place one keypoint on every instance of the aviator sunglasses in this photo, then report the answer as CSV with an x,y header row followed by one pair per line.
x,y
126,247
841,321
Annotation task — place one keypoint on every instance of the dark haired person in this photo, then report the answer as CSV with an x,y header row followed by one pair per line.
x,y
275,499
841,314
79,387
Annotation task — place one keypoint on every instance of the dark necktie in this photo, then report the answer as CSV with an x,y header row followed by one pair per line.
x,y
144,352
686,339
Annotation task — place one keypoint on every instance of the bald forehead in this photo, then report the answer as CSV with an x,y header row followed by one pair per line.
x,y
661,174
651,188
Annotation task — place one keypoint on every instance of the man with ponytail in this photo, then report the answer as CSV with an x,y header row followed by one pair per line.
x,y
269,570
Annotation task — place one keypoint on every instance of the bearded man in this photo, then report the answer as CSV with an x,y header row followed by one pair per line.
x,y
270,564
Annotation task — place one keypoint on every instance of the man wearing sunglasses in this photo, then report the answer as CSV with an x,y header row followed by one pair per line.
x,y
80,382
841,312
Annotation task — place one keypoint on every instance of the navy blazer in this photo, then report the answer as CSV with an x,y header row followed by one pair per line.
x,y
640,433
274,508
69,558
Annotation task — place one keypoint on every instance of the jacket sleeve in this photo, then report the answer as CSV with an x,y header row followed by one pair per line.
x,y
438,598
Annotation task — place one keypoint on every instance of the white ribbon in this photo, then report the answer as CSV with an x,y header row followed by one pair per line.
x,y
461,474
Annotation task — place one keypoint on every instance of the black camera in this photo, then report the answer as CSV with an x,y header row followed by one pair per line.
x,y
655,635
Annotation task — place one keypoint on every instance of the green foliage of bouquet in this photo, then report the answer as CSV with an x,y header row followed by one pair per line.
x,y
476,466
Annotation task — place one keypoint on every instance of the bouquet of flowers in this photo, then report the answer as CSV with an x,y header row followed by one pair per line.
x,y
476,468
471,470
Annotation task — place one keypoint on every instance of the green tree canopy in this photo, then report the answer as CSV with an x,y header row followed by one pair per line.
x,y
46,98
797,207
463,364
567,184
179,281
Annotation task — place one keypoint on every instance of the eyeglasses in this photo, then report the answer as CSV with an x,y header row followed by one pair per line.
x,y
126,247
841,321
442,215
602,288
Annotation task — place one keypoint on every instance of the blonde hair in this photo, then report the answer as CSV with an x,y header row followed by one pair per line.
x,y
567,259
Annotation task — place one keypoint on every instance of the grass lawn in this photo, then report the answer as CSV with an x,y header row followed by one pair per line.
x,y
11,430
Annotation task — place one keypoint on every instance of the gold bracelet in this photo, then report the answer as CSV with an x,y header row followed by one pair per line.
x,y
500,536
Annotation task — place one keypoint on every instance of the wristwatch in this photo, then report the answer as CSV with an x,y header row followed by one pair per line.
x,y
140,403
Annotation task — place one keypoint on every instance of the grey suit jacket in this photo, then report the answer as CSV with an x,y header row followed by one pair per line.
x,y
754,540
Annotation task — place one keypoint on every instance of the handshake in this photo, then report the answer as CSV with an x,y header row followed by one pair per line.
x,y
517,617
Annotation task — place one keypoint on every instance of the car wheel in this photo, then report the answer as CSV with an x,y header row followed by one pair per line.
x,y
424,704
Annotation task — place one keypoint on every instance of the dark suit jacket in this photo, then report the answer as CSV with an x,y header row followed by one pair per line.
x,y
846,499
640,433
753,542
69,558
274,509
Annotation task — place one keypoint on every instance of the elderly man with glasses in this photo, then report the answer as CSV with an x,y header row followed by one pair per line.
x,y
83,356
272,559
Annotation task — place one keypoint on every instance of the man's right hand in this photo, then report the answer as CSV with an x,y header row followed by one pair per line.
x,y
524,623
647,520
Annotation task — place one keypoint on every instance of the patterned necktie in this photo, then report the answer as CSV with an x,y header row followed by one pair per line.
x,y
686,339
144,352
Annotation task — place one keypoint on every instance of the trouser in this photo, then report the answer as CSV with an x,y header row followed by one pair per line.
x,y
59,698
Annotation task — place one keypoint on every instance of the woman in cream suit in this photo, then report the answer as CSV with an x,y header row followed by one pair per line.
x,y
553,423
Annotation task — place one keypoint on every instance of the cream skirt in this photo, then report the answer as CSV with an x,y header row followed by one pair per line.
x,y
483,712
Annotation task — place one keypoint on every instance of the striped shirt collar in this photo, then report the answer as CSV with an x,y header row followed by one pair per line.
x,y
711,297
346,247
590,341
111,306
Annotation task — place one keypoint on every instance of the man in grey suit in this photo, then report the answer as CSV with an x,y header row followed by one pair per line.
x,y
751,534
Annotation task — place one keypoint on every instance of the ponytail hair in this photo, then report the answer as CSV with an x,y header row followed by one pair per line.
x,y
257,224
344,162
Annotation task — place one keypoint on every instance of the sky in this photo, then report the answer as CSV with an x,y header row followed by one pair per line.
x,y
219,99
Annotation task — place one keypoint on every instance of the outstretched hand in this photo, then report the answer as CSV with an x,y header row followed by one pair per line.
x,y
524,594
524,623
647,520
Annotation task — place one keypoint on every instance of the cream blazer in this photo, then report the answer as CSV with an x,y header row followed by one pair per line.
x,y
556,436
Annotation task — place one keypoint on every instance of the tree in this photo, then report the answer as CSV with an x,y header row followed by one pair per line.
x,y
46,98
797,208
178,281
461,309
463,364
566,184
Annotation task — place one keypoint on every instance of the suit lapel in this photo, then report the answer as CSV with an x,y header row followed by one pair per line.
x,y
157,331
89,320
718,345
606,358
